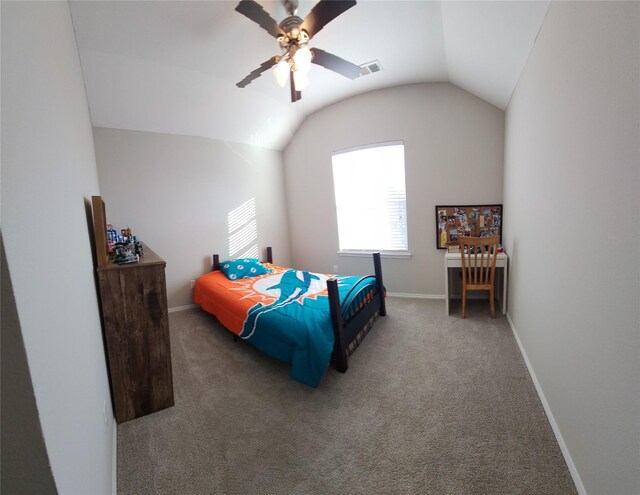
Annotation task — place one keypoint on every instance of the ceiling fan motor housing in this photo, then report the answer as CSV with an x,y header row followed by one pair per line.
x,y
293,35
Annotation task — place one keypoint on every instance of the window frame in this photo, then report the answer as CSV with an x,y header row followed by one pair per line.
x,y
394,253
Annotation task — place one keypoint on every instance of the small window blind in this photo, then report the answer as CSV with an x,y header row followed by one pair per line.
x,y
369,184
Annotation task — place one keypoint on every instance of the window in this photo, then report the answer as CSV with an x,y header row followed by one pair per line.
x,y
370,198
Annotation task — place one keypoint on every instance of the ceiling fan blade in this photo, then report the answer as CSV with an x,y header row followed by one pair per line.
x,y
255,74
335,63
323,13
257,14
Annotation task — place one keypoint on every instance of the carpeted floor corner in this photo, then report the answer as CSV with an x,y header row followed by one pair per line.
x,y
431,404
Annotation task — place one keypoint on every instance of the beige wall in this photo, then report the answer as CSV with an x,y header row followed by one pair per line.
x,y
572,200
176,192
453,155
48,174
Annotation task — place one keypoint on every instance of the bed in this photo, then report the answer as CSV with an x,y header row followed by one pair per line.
x,y
303,318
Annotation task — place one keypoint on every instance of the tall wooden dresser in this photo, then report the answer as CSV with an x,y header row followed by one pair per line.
x,y
136,323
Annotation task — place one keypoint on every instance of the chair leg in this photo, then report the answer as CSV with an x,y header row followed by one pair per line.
x,y
464,301
493,308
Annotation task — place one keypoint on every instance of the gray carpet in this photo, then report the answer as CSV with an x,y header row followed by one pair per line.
x,y
431,404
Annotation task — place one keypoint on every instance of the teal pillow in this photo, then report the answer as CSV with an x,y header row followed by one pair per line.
x,y
242,268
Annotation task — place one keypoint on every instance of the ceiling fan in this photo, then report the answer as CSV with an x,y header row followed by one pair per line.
x,y
293,34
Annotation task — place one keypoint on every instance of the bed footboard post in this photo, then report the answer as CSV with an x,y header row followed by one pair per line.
x,y
339,349
216,263
377,265
269,255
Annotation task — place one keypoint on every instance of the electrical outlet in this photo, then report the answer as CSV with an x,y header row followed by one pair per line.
x,y
193,284
335,268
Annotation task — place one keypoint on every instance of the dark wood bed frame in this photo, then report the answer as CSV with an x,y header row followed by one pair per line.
x,y
351,322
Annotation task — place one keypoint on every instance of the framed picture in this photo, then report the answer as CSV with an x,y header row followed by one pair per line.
x,y
454,221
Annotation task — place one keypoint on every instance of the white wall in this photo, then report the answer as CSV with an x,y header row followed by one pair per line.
x,y
572,200
176,192
48,172
24,460
454,144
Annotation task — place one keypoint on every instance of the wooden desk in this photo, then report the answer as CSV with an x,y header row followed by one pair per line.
x,y
452,260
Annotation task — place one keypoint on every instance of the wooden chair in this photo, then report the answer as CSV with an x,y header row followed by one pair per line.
x,y
478,255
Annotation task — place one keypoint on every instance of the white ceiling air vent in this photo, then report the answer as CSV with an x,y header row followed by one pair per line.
x,y
370,68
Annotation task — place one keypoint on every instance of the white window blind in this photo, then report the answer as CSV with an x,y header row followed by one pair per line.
x,y
370,198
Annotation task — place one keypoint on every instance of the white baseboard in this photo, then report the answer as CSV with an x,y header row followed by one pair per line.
x,y
415,296
114,460
547,409
182,308
430,296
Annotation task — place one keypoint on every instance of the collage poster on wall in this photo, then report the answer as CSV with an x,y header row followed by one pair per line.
x,y
453,222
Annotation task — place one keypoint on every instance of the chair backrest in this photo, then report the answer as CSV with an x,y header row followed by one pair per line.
x,y
478,255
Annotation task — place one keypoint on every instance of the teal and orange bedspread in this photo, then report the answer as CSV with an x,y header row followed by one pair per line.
x,y
284,313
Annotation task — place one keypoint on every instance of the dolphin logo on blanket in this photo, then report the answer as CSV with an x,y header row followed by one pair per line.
x,y
293,285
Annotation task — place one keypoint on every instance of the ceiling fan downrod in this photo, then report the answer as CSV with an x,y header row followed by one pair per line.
x,y
291,6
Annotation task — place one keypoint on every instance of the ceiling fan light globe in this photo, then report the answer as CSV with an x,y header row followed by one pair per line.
x,y
303,69
302,59
303,55
281,72
300,80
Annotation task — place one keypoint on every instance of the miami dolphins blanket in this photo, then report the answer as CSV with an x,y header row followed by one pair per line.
x,y
284,313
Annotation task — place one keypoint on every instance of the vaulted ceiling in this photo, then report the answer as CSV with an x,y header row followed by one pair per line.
x,y
171,67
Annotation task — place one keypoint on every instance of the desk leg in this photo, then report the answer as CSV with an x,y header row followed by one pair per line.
x,y
504,289
446,287
498,285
